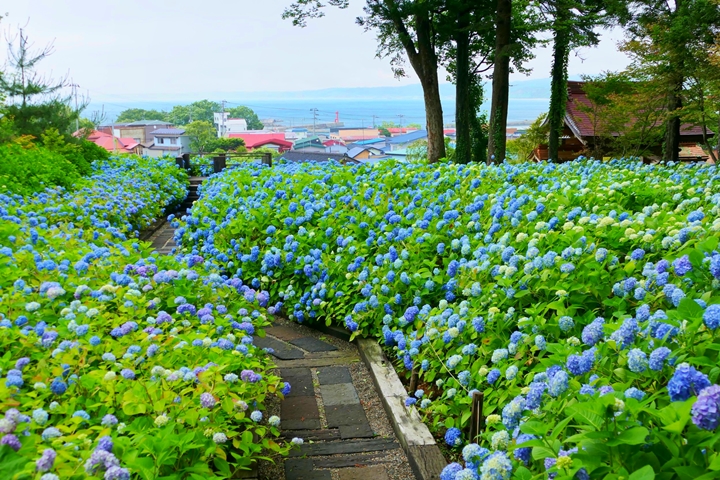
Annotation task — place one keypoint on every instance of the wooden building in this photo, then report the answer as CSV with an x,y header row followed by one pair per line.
x,y
579,138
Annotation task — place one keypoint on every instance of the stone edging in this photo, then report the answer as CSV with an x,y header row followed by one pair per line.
x,y
424,455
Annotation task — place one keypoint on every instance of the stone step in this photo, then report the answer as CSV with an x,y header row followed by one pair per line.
x,y
344,447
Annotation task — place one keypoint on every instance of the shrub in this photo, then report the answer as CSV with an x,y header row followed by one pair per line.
x,y
582,299
26,169
117,361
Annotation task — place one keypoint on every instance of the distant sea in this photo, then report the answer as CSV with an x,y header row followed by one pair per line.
x,y
351,112
354,106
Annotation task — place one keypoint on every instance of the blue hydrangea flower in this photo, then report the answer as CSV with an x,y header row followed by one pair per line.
x,y
558,384
453,437
686,382
711,316
593,332
635,393
637,360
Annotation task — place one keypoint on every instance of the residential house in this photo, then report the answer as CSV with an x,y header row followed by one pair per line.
x,y
404,141
310,144
226,125
261,139
295,156
374,142
296,133
168,141
364,153
395,131
335,146
141,131
112,143
353,134
400,155
579,136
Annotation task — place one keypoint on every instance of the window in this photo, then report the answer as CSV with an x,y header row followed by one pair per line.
x,y
173,141
160,140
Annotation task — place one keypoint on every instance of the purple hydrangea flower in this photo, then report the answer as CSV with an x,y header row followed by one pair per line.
x,y
105,443
706,409
682,265
46,461
207,400
11,441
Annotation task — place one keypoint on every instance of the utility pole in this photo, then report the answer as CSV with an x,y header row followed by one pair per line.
x,y
75,86
401,121
222,120
315,116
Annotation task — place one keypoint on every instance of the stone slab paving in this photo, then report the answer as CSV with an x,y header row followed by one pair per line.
x,y
333,375
324,408
313,345
376,472
339,394
162,239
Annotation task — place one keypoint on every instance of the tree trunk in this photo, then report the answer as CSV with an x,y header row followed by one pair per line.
x,y
463,103
500,84
431,87
558,83
422,56
671,148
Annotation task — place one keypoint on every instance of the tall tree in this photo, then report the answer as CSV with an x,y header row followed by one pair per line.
x,y
671,40
404,28
573,24
500,82
253,121
33,102
202,135
201,110
467,34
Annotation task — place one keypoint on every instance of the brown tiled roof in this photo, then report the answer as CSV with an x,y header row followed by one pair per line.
x,y
581,124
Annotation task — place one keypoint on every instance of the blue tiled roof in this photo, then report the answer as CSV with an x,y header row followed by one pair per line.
x,y
370,141
409,137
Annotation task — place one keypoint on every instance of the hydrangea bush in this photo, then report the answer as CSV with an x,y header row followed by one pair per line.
x,y
581,299
116,361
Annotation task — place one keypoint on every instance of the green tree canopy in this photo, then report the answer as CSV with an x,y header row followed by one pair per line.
x,y
202,135
202,110
253,122
137,114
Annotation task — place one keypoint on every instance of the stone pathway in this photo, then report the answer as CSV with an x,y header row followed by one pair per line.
x,y
162,239
333,405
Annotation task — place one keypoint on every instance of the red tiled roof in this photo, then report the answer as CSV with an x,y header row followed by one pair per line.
x,y
279,143
330,143
401,131
112,144
581,124
253,140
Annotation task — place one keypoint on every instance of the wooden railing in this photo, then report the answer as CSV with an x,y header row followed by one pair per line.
x,y
220,161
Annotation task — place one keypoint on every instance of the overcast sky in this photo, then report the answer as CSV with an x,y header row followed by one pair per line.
x,y
133,49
